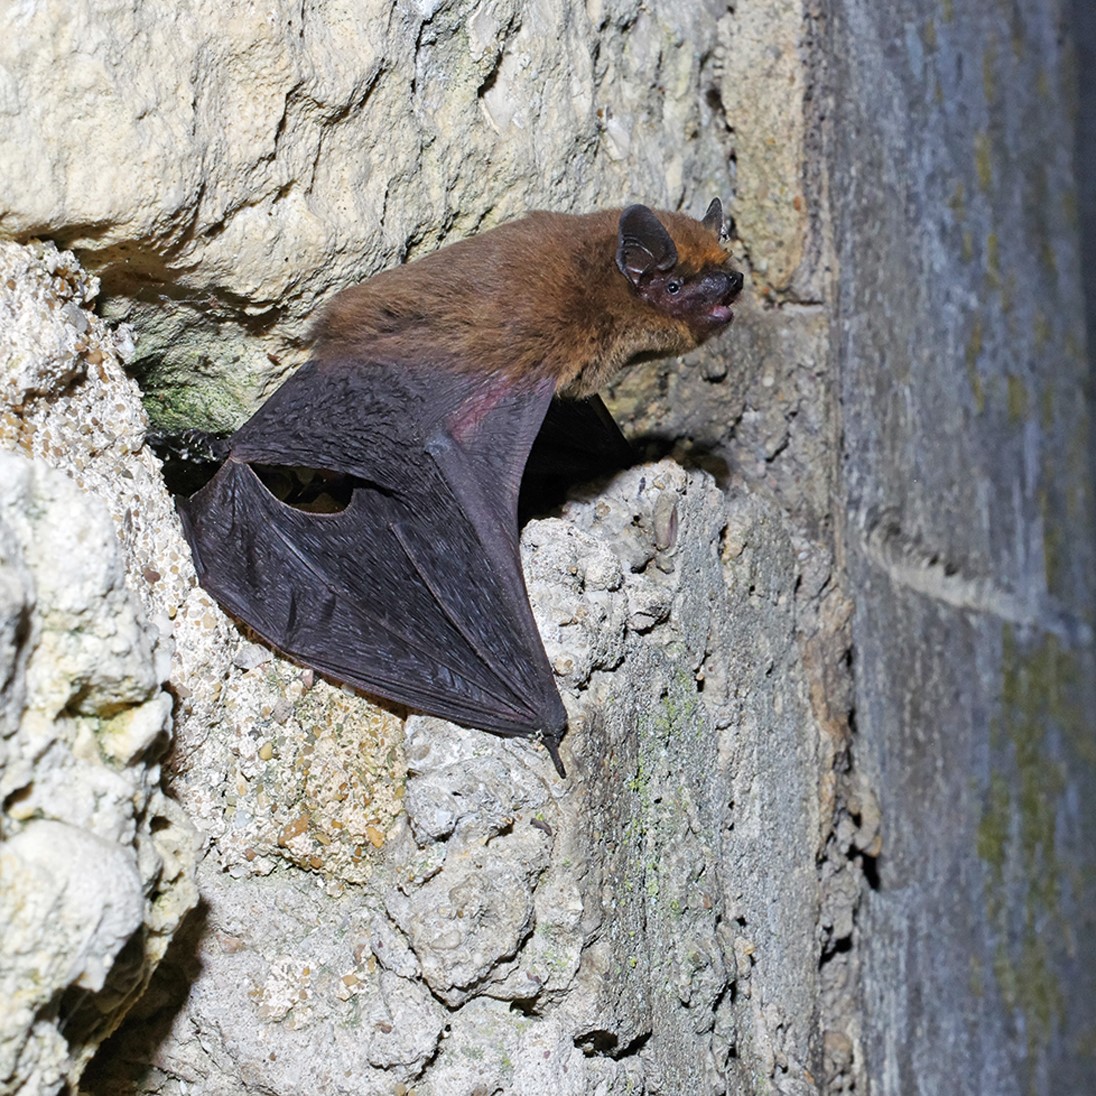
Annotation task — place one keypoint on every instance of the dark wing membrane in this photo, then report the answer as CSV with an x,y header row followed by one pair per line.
x,y
414,591
579,438
579,441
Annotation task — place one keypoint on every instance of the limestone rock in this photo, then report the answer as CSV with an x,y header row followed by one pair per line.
x,y
247,163
569,927
95,862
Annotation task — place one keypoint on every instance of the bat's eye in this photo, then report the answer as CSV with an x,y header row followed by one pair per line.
x,y
673,288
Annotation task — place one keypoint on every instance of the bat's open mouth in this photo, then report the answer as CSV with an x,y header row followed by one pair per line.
x,y
720,314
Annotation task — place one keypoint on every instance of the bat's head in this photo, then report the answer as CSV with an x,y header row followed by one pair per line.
x,y
678,266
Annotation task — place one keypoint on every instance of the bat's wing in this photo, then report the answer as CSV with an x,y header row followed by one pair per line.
x,y
579,441
414,591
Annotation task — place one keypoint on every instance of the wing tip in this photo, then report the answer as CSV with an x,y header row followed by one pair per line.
x,y
552,730
551,744
553,735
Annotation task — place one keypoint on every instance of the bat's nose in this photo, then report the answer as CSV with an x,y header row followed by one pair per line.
x,y
723,285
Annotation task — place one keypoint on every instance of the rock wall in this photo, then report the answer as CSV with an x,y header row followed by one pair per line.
x,y
446,914
966,408
523,934
439,911
250,161
96,863
828,668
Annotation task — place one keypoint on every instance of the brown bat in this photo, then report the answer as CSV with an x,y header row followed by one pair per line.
x,y
428,385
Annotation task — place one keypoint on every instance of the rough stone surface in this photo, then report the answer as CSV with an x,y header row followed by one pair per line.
x,y
95,862
249,160
1082,39
444,913
506,926
615,929
968,441
764,79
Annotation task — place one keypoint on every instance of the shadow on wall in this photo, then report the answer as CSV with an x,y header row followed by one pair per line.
x,y
123,1061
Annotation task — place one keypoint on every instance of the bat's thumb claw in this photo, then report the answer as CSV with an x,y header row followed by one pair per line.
x,y
552,746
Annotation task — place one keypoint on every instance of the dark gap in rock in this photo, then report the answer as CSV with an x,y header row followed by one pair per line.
x,y
836,947
491,78
605,1044
527,1006
17,796
190,458
870,867
597,1043
634,1047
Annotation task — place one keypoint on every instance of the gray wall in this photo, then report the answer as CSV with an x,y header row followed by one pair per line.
x,y
1083,35
966,416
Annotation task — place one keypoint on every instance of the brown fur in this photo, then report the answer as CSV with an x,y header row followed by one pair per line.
x,y
539,296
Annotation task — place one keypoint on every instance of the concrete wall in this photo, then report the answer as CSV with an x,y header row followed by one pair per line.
x,y
966,412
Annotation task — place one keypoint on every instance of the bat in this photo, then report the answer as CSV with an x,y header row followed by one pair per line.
x,y
365,520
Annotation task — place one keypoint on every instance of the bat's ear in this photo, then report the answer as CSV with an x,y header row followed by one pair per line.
x,y
643,245
713,219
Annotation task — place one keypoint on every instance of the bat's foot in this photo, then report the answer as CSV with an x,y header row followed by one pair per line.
x,y
190,458
191,446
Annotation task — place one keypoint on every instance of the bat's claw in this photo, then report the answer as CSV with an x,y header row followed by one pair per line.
x,y
552,746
